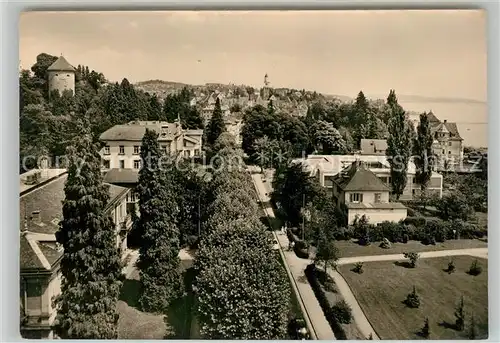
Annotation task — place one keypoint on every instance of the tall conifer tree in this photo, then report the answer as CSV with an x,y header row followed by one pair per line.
x,y
90,265
159,252
398,145
424,160
216,125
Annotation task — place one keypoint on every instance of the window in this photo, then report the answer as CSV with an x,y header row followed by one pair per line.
x,y
449,143
137,164
105,164
166,149
378,196
122,150
356,197
187,153
449,152
185,143
197,152
106,150
137,149
444,152
122,164
414,180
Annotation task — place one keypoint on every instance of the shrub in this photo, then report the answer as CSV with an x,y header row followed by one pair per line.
x,y
412,299
418,222
451,267
411,212
429,239
310,273
438,229
475,269
329,286
460,315
412,257
385,244
426,330
342,312
390,230
358,268
406,238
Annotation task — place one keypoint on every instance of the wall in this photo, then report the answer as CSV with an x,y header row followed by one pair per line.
x,y
375,216
61,80
369,197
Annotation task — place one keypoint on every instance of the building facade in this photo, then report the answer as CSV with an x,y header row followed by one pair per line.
x,y
447,145
61,76
123,143
40,254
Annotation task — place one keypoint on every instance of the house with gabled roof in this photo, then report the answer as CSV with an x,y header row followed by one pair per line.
x,y
362,193
40,205
448,144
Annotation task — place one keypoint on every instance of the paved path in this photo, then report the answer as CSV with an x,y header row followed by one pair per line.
x,y
477,252
295,266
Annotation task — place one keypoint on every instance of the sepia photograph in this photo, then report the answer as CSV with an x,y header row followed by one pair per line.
x,y
256,175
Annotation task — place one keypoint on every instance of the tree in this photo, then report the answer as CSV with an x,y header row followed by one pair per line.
x,y
426,329
472,328
454,206
424,161
155,108
412,299
327,252
43,62
158,261
216,125
398,145
460,315
326,139
90,265
412,257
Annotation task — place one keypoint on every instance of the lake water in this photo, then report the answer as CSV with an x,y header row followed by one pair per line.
x,y
471,118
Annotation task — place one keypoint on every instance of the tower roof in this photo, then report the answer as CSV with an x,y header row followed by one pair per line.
x,y
61,65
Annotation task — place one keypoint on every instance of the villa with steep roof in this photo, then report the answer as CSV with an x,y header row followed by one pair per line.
x,y
447,145
40,207
61,76
363,193
120,155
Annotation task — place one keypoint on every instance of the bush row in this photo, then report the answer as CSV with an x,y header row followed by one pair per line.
x,y
337,328
422,229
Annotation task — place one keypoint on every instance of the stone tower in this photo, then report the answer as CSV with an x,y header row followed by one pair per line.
x,y
61,76
265,90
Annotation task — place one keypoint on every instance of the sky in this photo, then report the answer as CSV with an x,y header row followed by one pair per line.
x,y
437,53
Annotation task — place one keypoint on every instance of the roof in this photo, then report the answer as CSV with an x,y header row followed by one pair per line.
x,y
432,118
122,176
61,65
381,205
358,178
37,243
134,131
451,127
379,144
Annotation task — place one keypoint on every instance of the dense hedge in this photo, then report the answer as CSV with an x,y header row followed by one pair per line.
x,y
337,328
415,228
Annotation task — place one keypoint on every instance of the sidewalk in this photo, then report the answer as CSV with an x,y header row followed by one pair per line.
x,y
296,267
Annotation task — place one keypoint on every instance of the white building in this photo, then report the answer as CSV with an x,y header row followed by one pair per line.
x,y
123,142
326,167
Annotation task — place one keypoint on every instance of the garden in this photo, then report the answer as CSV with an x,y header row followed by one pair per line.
x,y
436,298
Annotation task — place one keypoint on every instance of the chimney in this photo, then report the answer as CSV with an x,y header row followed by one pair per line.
x,y
35,217
445,121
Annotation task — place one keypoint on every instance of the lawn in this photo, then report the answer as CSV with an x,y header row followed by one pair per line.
x,y
383,286
135,324
351,249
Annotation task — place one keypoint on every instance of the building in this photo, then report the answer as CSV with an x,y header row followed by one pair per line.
x,y
41,196
123,143
233,126
373,146
61,76
363,193
447,145
325,167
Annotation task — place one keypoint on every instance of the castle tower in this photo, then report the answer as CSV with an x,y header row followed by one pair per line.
x,y
61,76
